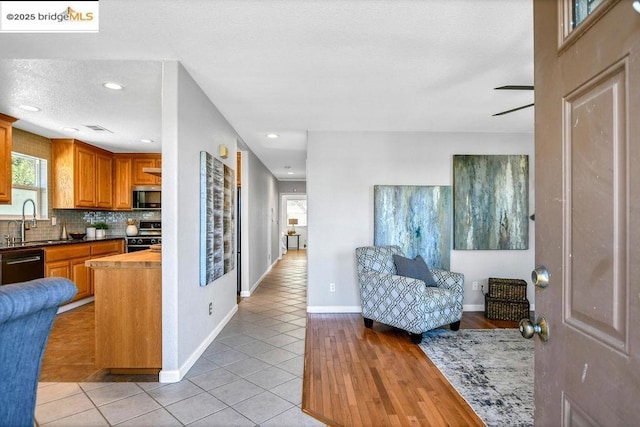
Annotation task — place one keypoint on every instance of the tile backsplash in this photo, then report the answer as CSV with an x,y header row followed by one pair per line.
x,y
77,220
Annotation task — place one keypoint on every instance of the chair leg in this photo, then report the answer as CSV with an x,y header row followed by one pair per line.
x,y
455,326
416,338
368,323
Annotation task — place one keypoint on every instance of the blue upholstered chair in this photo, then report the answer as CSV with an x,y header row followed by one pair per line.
x,y
27,311
404,302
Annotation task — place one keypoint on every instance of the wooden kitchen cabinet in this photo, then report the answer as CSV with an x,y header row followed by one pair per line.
x,y
128,310
69,261
110,247
122,182
103,249
6,144
82,175
104,184
140,161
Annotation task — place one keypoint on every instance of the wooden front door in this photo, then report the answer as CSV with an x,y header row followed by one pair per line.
x,y
587,137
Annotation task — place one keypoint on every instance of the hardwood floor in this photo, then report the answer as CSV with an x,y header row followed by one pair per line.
x,y
356,376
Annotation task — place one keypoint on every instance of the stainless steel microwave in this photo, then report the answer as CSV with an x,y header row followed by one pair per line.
x,y
147,197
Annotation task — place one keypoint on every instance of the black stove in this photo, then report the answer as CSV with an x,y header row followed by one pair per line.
x,y
149,233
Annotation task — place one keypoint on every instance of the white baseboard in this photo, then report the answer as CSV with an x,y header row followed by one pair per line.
x,y
480,307
334,309
174,376
357,309
75,304
248,293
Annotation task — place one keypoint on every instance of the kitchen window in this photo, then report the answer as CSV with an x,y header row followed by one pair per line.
x,y
29,181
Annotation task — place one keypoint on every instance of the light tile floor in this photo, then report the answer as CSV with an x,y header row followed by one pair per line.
x,y
250,375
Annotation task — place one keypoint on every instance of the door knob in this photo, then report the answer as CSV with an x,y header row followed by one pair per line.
x,y
528,329
540,276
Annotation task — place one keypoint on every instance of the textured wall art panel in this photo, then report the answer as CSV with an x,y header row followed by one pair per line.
x,y
217,189
228,219
491,202
417,218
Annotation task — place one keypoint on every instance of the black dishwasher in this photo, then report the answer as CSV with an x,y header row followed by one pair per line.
x,y
21,265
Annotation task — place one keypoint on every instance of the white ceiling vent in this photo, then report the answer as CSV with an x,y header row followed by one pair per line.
x,y
98,128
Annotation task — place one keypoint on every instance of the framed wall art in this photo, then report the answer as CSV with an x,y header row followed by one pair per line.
x,y
416,218
217,219
491,202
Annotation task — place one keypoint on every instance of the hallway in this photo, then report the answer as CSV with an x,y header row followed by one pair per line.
x,y
250,375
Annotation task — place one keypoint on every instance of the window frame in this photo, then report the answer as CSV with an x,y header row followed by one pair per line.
x,y
41,190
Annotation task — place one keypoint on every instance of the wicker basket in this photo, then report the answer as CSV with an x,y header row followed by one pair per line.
x,y
509,289
504,309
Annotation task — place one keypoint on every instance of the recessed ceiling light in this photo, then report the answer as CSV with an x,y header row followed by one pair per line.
x,y
289,173
30,108
70,129
272,135
146,140
113,86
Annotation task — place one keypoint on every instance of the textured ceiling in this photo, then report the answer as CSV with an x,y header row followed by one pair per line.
x,y
282,66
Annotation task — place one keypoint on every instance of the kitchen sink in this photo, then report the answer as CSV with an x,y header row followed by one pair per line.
x,y
46,242
51,242
33,243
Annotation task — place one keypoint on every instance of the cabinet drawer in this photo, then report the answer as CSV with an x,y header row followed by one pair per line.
x,y
67,252
106,247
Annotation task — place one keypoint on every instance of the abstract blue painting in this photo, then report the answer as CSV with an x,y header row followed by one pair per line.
x,y
491,202
417,218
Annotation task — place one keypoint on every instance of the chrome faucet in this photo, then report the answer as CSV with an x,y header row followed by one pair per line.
x,y
11,239
25,225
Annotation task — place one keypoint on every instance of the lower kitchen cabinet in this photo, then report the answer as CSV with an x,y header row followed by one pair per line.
x,y
69,261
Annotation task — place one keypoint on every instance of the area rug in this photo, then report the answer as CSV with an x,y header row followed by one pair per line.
x,y
492,369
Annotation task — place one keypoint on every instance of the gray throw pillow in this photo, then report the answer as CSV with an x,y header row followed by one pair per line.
x,y
415,268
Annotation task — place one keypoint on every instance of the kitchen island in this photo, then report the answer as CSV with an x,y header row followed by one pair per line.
x,y
128,307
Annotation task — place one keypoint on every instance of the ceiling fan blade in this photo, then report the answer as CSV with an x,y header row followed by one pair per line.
x,y
512,110
514,87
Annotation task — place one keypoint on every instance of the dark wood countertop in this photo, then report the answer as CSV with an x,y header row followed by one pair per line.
x,y
41,244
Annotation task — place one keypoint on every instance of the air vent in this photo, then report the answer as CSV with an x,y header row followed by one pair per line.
x,y
98,128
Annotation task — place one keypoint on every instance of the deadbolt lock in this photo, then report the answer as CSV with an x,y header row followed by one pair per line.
x,y
540,276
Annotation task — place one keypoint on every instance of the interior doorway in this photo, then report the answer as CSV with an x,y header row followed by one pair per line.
x,y
293,232
242,222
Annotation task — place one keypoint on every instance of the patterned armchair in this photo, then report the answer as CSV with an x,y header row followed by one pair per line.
x,y
404,302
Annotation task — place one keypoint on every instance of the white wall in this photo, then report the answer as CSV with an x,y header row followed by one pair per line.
x,y
299,187
190,124
262,209
343,167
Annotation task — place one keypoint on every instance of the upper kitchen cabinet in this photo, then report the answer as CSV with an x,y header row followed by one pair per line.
x,y
144,161
122,181
6,141
82,175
